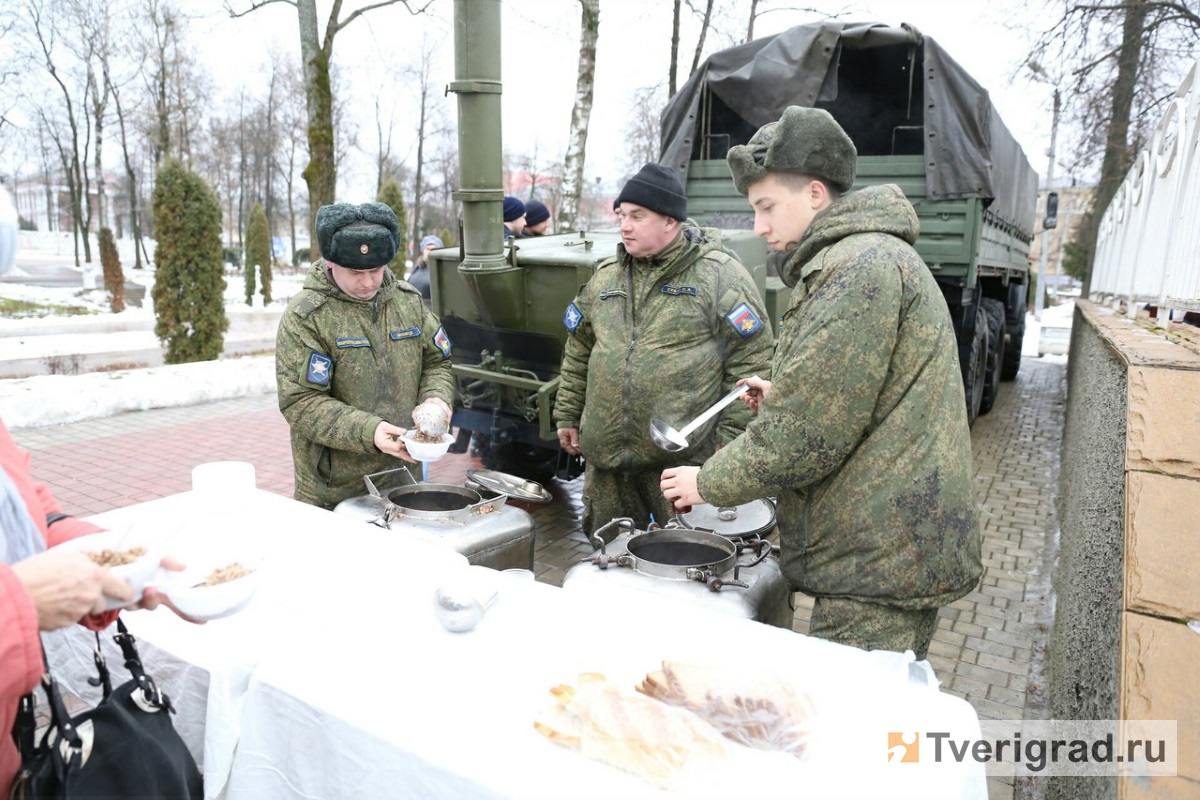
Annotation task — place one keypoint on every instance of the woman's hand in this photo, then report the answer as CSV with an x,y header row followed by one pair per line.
x,y
66,587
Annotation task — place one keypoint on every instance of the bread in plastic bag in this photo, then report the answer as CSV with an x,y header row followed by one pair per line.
x,y
762,713
666,746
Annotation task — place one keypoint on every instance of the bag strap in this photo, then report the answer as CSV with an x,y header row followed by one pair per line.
x,y
26,722
133,663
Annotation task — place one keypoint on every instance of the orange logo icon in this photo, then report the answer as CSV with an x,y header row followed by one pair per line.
x,y
904,748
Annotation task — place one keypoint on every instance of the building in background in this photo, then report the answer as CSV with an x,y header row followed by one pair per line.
x,y
1073,203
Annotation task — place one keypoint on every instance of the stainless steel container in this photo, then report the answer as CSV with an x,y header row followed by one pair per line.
x,y
478,523
742,578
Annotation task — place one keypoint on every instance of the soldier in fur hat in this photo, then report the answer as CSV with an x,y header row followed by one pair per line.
x,y
662,329
861,433
356,352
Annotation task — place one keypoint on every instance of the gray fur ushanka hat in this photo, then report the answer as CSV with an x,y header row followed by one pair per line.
x,y
805,141
362,236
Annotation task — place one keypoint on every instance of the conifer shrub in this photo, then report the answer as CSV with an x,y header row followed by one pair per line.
x,y
189,285
114,276
390,196
258,254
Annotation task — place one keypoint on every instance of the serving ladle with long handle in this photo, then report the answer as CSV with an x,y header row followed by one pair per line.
x,y
673,441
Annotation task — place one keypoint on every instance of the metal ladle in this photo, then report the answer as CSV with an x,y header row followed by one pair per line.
x,y
673,441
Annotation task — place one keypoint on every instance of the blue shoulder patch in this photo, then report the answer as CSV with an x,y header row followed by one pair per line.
x,y
744,320
406,333
320,370
572,317
442,341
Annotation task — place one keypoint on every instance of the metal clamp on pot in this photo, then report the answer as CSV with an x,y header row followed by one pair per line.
x,y
430,501
676,552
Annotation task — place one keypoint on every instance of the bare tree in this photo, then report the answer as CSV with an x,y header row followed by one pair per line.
x,y
642,130
705,22
67,140
581,114
429,117
1121,59
316,53
673,72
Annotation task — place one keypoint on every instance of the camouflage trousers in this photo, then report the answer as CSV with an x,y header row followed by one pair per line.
x,y
608,494
871,626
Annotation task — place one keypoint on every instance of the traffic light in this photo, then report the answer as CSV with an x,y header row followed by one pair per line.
x,y
1051,220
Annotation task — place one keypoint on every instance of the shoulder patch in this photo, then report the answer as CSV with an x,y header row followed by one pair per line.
x,y
607,293
744,320
680,290
572,317
320,369
309,302
442,342
352,341
406,333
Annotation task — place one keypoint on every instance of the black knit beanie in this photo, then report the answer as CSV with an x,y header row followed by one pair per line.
x,y
657,188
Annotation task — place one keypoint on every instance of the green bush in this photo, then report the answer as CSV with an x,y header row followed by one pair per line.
x,y
189,287
302,256
258,253
114,276
390,196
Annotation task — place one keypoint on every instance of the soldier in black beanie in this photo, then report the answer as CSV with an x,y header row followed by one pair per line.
x,y
662,329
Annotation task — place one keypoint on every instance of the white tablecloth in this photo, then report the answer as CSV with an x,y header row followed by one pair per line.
x,y
338,682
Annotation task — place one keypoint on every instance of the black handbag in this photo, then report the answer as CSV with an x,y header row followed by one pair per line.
x,y
125,747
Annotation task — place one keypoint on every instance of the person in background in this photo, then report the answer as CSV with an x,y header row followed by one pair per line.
x,y
861,433
537,219
419,276
514,216
356,352
43,589
662,329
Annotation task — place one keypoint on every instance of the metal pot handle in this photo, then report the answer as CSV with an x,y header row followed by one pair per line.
x,y
371,486
762,549
601,558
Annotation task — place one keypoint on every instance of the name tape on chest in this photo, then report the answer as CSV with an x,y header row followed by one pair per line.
x,y
680,291
744,320
352,341
572,317
406,333
610,293
320,369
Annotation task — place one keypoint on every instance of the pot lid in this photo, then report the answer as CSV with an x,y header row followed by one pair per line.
x,y
515,487
757,516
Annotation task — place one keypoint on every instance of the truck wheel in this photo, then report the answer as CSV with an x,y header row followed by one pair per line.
x,y
994,310
1016,332
975,366
1012,354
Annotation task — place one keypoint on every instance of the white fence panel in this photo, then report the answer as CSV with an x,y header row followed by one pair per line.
x,y
1148,248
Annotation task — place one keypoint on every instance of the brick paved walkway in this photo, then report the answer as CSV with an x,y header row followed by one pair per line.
x,y
988,645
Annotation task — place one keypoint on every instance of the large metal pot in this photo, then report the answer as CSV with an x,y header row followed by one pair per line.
x,y
678,553
440,502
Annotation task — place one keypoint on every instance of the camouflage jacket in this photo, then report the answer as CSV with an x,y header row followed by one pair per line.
x,y
863,438
663,337
343,366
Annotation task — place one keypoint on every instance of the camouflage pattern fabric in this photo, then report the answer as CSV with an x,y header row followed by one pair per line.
x,y
661,337
344,365
871,626
863,438
608,494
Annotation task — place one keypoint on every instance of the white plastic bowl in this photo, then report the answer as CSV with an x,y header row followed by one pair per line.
x,y
208,602
137,573
427,451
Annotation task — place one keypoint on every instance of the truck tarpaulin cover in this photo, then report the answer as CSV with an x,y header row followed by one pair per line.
x,y
968,150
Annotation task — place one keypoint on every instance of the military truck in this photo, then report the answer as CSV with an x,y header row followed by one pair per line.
x,y
917,119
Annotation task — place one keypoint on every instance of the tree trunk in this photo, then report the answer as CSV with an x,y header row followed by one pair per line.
x,y
99,105
419,180
703,33
1116,149
750,24
581,114
135,229
674,71
321,172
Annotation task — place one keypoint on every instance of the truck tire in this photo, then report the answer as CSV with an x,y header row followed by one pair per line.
x,y
975,366
994,310
1016,332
